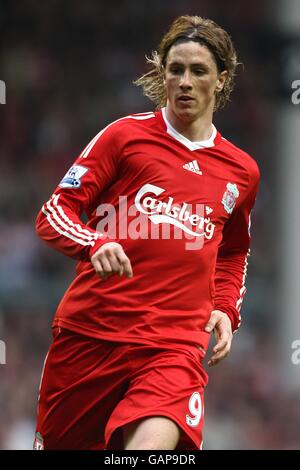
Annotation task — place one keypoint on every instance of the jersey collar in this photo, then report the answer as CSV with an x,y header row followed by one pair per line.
x,y
185,141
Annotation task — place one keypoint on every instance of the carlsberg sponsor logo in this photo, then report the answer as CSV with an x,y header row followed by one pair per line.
x,y
181,216
150,217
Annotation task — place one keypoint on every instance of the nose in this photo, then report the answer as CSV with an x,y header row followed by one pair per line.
x,y
185,80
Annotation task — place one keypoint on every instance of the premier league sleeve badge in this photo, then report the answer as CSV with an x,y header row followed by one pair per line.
x,y
72,179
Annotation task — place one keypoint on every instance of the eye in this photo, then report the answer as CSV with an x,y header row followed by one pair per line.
x,y
199,71
175,70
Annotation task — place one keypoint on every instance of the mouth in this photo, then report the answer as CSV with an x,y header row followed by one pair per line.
x,y
185,99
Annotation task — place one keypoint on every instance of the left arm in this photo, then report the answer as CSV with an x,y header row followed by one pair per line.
x,y
230,275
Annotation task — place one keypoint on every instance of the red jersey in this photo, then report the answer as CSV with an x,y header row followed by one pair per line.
x,y
180,210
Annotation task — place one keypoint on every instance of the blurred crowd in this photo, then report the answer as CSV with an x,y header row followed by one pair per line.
x,y
68,69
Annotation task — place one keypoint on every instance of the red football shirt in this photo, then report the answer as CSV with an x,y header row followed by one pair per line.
x,y
180,210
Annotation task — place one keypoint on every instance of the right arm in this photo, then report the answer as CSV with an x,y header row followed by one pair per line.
x,y
58,222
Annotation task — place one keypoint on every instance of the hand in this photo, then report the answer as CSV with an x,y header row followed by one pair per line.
x,y
221,324
110,259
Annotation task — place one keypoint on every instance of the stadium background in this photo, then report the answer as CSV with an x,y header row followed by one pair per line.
x,y
68,68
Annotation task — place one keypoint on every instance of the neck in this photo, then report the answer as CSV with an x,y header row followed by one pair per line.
x,y
195,130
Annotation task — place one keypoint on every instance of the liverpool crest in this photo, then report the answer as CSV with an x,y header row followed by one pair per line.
x,y
230,196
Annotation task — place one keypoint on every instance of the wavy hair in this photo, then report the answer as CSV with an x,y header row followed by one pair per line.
x,y
190,28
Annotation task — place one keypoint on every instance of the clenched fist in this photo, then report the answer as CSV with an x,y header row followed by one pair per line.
x,y
110,259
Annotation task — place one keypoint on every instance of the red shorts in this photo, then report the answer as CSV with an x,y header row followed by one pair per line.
x,y
91,388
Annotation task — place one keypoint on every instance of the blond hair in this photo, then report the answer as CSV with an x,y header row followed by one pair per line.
x,y
190,28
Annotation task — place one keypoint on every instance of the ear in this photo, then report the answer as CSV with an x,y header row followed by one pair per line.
x,y
221,81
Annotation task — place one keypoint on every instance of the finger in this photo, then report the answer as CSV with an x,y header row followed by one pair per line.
x,y
214,361
98,267
220,354
222,342
121,271
106,264
210,325
216,358
125,262
115,264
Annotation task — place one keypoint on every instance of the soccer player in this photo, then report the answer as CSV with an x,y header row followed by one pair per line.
x,y
162,258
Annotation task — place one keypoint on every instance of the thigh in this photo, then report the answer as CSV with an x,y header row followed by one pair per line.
x,y
168,384
82,382
152,433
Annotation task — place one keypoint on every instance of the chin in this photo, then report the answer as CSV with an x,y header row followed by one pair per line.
x,y
186,115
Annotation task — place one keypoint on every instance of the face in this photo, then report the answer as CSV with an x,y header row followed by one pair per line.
x,y
191,80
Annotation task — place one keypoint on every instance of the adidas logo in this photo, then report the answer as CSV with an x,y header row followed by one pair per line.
x,y
193,166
